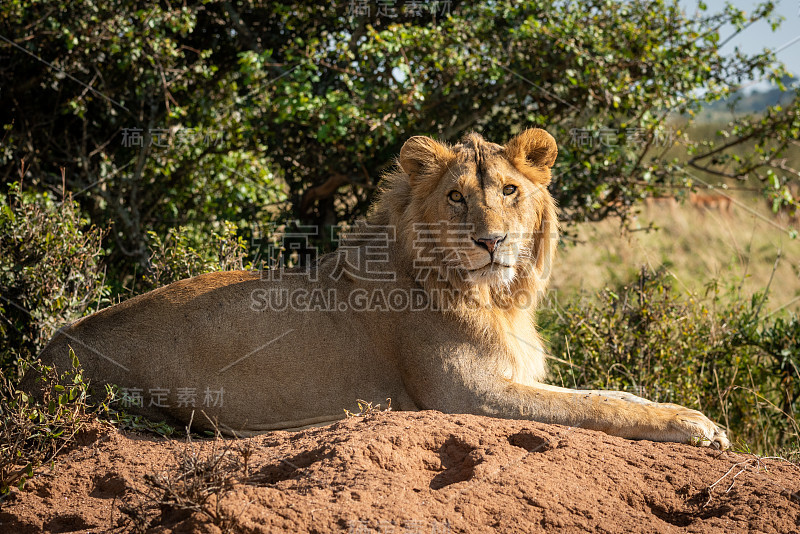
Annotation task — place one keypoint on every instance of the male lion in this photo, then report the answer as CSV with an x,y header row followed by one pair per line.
x,y
429,302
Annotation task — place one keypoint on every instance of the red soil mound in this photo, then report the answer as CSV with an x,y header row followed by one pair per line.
x,y
400,472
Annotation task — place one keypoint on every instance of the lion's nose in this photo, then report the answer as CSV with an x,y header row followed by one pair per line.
x,y
490,243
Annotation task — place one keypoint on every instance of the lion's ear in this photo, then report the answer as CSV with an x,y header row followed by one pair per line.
x,y
533,148
422,157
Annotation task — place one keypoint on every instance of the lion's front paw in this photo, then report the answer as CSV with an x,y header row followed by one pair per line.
x,y
693,427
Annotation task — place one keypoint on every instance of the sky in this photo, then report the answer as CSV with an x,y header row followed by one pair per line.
x,y
759,36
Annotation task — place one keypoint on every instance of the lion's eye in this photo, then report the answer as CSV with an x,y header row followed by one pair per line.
x,y
509,190
455,196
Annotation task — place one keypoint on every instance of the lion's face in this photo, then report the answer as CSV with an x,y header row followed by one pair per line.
x,y
480,206
488,214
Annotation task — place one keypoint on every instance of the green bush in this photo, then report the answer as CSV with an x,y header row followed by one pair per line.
x,y
715,353
50,272
33,432
178,255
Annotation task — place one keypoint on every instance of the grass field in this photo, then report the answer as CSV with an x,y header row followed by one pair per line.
x,y
739,249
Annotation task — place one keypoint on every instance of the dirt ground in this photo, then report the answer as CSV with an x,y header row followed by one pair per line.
x,y
396,472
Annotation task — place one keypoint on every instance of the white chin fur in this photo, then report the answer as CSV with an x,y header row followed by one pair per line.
x,y
492,275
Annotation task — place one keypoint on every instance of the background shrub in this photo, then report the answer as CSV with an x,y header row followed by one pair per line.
x,y
50,271
712,352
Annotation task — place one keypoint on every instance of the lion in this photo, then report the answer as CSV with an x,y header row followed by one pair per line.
x,y
428,302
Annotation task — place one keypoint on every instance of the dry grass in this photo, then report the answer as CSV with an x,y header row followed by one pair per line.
x,y
754,464
696,246
367,408
196,483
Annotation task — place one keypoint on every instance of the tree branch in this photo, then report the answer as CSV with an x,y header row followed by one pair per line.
x,y
325,190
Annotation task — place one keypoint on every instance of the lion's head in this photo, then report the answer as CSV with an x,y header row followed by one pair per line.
x,y
476,220
477,215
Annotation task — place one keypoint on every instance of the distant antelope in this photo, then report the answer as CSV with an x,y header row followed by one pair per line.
x,y
712,201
